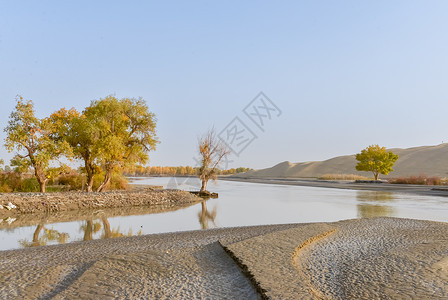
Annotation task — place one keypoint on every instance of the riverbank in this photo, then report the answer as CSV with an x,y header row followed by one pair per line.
x,y
32,203
426,190
401,258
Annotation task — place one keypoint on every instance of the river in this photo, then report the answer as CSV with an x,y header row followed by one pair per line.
x,y
239,204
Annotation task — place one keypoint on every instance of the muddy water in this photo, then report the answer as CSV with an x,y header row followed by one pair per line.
x,y
239,204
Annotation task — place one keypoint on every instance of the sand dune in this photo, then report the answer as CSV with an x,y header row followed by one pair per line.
x,y
428,160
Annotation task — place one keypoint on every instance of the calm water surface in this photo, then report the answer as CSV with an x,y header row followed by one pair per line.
x,y
239,204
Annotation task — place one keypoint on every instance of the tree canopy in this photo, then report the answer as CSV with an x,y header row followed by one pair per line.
x,y
124,133
376,159
74,128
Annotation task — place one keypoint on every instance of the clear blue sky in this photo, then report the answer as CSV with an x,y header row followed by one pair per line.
x,y
345,74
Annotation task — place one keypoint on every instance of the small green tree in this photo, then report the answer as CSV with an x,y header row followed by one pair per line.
x,y
30,137
376,159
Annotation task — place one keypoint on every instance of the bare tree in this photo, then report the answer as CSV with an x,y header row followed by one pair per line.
x,y
212,151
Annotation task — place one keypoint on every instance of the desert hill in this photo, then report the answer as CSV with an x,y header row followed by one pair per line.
x,y
428,160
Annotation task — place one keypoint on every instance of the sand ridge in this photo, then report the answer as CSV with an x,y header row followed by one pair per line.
x,y
268,259
429,160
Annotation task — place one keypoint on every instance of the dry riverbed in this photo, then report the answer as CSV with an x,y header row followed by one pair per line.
x,y
379,258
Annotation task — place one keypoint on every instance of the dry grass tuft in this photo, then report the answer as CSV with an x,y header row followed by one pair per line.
x,y
343,177
421,180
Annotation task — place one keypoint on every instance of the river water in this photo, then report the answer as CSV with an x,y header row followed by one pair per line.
x,y
239,204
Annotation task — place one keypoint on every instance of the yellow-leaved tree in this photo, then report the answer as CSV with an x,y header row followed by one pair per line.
x,y
124,132
74,128
376,159
110,134
31,138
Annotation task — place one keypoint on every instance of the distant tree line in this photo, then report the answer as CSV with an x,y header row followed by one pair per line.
x,y
176,171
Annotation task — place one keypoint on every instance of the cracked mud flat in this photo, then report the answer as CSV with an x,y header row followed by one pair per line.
x,y
378,258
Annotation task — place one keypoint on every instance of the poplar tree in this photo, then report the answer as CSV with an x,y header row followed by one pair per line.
x,y
376,159
124,132
31,138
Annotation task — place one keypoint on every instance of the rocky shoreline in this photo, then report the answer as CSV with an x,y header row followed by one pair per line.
x,y
27,203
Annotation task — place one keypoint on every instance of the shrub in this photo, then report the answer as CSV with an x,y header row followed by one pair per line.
x,y
14,182
434,181
76,181
54,188
117,182
30,185
420,180
4,188
72,181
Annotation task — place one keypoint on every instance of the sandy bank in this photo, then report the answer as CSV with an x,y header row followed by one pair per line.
x,y
27,203
366,258
350,185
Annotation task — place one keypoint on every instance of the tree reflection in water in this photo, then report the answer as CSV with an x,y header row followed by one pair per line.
x,y
89,228
92,227
48,235
374,204
43,235
206,217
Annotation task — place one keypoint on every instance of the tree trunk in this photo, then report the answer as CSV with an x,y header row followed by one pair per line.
x,y
377,175
90,183
40,176
88,231
106,181
204,185
89,171
36,233
106,226
42,186
203,216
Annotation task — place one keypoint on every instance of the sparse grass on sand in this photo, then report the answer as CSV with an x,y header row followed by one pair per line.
x,y
421,180
343,177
